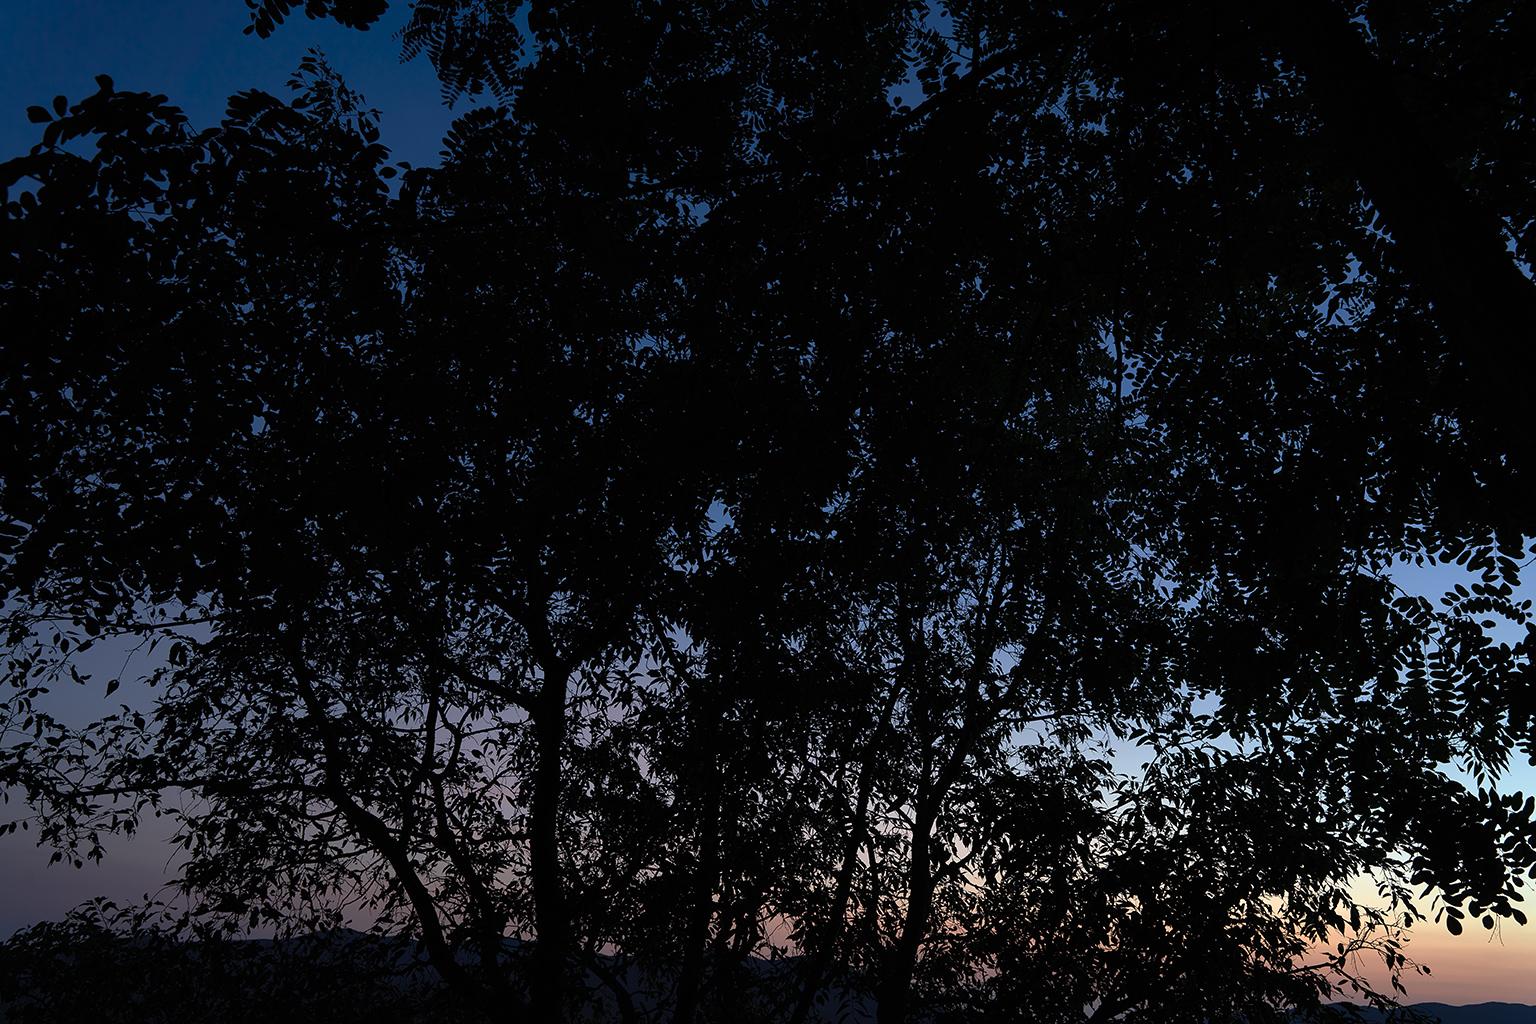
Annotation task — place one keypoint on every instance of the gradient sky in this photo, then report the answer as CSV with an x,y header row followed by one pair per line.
x,y
194,52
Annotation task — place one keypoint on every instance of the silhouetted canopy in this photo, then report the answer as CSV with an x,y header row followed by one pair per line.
x,y
898,507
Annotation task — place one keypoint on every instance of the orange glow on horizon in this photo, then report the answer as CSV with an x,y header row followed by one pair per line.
x,y
1477,966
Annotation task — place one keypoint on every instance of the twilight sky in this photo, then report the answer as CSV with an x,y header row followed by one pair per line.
x,y
194,52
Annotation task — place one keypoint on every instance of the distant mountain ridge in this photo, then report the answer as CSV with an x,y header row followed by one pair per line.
x,y
351,977
1471,1013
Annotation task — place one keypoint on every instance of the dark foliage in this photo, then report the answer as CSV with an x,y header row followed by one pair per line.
x,y
736,520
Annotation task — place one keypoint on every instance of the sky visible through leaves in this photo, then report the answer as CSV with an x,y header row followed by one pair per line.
x,y
194,52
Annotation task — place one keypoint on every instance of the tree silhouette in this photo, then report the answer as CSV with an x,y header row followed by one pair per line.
x,y
729,524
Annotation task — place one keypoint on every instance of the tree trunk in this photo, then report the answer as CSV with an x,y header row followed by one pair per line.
x,y
895,992
550,954
701,909
844,891
374,831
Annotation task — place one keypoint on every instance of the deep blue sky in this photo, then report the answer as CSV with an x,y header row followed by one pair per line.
x,y
194,52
